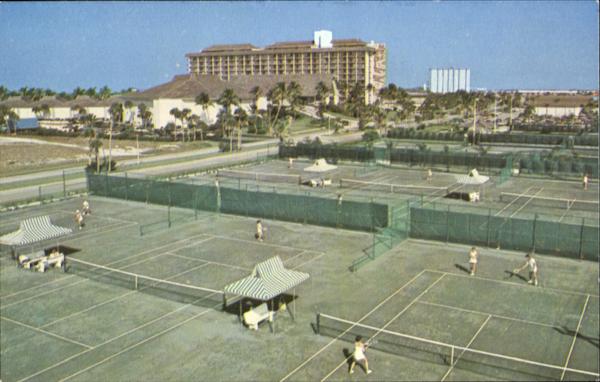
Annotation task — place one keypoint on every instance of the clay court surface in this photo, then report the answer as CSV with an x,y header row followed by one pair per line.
x,y
65,326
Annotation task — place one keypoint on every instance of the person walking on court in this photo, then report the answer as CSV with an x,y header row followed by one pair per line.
x,y
259,231
473,257
359,356
585,181
533,269
290,162
429,175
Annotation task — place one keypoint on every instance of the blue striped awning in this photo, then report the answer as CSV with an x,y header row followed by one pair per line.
x,y
268,280
33,230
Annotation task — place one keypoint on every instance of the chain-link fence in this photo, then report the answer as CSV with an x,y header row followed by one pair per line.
x,y
440,222
307,209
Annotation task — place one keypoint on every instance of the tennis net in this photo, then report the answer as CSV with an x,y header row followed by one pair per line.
x,y
170,290
393,188
544,201
260,176
484,363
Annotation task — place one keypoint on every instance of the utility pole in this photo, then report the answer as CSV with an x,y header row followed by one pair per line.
x,y
474,121
495,112
110,145
510,113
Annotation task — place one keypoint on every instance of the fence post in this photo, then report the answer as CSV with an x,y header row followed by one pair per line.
x,y
447,224
126,188
169,213
40,193
535,217
581,239
64,184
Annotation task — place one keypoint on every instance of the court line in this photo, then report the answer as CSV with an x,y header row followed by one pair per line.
x,y
466,348
309,261
514,201
136,345
208,262
489,314
46,332
109,264
527,202
109,341
117,297
361,319
263,243
345,361
515,284
103,217
574,338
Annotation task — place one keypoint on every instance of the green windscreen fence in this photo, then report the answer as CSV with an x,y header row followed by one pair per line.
x,y
307,209
438,222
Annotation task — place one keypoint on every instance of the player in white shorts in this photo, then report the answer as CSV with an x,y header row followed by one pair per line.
x,y
359,356
533,269
473,257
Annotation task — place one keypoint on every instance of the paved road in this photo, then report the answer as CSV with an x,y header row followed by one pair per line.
x,y
201,159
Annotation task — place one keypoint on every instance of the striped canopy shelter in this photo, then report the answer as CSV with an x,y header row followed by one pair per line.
x,y
268,280
34,230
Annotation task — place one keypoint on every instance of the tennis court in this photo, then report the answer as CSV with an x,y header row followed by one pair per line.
x,y
73,326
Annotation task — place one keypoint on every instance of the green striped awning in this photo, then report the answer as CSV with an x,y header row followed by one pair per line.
x,y
268,280
33,230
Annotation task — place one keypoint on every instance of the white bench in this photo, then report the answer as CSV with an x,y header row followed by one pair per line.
x,y
255,316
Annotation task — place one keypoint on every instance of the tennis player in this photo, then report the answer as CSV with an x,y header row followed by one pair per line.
x,y
429,175
359,356
585,181
79,219
533,269
259,231
85,210
473,257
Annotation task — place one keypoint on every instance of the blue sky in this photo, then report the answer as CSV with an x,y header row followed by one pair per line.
x,y
507,45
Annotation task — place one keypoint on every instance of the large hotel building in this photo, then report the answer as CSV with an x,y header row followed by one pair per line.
x,y
348,61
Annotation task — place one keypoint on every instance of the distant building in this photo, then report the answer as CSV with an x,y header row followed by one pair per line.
x,y
559,105
449,80
348,61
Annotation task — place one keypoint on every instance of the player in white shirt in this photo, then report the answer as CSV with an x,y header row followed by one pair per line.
x,y
359,356
473,257
533,269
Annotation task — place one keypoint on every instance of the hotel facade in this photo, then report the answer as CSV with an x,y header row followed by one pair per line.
x,y
348,61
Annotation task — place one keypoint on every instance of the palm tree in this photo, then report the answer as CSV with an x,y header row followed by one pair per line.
x,y
204,100
256,94
322,92
104,92
278,95
228,99
294,92
176,113
145,115
7,114
128,106
95,144
242,120
116,115
41,111
185,114
194,121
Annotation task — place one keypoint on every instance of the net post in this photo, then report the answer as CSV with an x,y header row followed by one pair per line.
x,y
40,193
169,214
488,226
136,282
141,231
318,323
451,355
126,187
64,184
